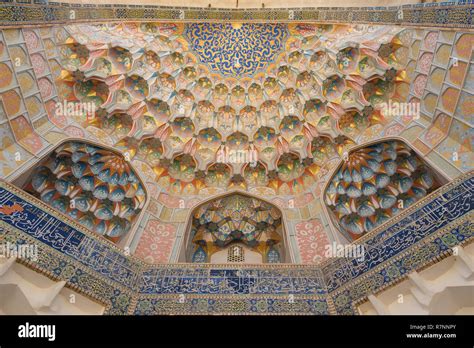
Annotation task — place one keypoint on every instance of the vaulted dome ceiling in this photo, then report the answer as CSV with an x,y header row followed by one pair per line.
x,y
175,96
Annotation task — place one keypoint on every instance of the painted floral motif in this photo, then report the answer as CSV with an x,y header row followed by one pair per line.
x,y
458,146
156,242
74,132
45,87
39,64
236,49
430,40
32,40
12,102
394,129
437,131
27,82
424,63
6,76
312,241
171,201
419,85
58,119
25,134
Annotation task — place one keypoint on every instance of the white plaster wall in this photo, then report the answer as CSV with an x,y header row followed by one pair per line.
x,y
446,287
24,291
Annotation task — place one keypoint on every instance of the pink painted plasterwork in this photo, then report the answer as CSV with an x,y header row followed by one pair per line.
x,y
312,241
156,242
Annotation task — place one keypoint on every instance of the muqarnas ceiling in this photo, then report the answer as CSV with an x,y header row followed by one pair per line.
x,y
173,96
236,219
94,186
374,184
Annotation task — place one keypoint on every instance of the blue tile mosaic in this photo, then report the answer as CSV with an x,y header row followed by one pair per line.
x,y
453,14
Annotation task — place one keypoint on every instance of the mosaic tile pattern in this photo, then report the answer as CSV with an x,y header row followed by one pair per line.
x,y
258,305
447,14
116,297
225,280
346,299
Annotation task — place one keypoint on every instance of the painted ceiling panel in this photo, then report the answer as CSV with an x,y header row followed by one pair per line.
x,y
271,102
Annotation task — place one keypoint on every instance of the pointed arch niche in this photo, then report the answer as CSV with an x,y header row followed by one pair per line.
x,y
375,182
92,184
235,228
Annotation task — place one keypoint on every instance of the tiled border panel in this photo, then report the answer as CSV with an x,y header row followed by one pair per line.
x,y
446,14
